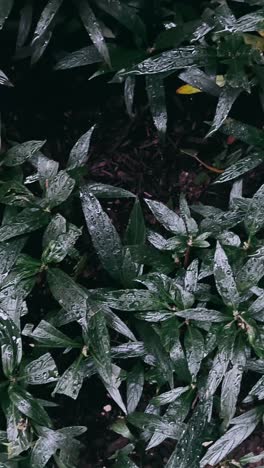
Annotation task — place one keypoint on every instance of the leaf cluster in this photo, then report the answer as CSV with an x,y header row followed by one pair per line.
x,y
182,314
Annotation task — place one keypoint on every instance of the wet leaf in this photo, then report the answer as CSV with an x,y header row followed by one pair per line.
x,y
254,216
240,167
28,220
93,28
79,58
197,79
80,152
241,131
136,229
189,446
24,24
250,273
135,383
49,336
152,423
70,383
104,236
224,278
228,442
11,344
170,220
257,392
18,154
194,349
226,100
157,102
108,191
42,370
202,314
173,60
5,9
129,94
221,361
46,18
231,385
28,405
169,397
59,189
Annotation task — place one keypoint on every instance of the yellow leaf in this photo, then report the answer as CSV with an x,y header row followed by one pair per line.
x,y
220,80
261,33
255,41
187,89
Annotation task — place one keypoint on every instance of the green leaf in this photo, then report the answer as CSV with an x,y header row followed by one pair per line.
x,y
99,347
9,252
18,154
61,246
169,397
224,278
198,79
135,383
231,385
255,213
229,238
18,435
28,220
114,322
80,152
191,277
108,191
46,18
45,447
71,296
189,446
202,314
126,16
194,349
247,133
221,361
228,442
59,189
256,392
133,299
25,24
190,223
173,60
129,94
226,100
157,102
42,370
136,229
79,58
154,346
256,309
170,338
5,9
250,273
11,344
71,381
49,336
170,220
240,167
104,236
93,28
28,405
152,423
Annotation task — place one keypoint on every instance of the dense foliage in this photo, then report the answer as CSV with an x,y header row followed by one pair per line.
x,y
181,316
173,324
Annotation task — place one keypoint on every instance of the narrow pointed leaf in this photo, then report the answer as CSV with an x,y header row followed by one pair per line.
x,y
46,17
157,102
170,220
93,28
240,167
5,9
224,278
226,100
80,152
135,383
